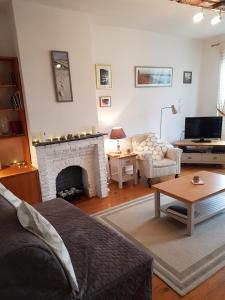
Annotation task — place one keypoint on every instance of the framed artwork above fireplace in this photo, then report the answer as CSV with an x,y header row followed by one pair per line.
x,y
61,75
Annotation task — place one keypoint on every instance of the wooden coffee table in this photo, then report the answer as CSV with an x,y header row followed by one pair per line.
x,y
193,197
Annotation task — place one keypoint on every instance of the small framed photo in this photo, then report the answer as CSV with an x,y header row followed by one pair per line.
x,y
187,77
103,76
105,101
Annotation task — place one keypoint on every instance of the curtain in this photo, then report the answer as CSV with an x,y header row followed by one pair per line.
x,y
221,89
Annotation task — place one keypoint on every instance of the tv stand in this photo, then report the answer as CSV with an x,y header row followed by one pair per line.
x,y
202,152
201,141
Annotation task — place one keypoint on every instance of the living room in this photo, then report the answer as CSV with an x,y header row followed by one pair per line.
x,y
122,35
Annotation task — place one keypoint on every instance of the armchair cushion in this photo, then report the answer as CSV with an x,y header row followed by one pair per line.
x,y
154,145
164,163
144,155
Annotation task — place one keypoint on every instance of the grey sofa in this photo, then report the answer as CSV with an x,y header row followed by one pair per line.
x,y
106,265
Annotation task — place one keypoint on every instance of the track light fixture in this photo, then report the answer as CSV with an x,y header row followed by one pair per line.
x,y
217,19
210,5
198,17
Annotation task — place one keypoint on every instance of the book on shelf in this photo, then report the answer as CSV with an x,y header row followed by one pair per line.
x,y
16,101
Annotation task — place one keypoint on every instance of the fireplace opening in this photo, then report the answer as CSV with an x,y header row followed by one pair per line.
x,y
70,183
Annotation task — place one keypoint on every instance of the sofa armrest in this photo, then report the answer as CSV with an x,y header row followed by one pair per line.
x,y
174,154
32,272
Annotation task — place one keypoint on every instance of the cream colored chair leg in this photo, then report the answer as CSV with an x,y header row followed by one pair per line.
x,y
149,181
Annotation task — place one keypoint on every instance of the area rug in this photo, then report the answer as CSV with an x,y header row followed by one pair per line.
x,y
183,262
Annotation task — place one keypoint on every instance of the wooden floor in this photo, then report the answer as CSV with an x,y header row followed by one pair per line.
x,y
213,288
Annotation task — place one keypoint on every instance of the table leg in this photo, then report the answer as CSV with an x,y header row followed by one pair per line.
x,y
190,219
157,204
120,174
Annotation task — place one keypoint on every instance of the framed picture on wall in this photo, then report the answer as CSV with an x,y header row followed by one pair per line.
x,y
105,101
187,77
103,76
61,74
153,76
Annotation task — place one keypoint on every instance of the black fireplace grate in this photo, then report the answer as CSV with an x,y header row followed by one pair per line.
x,y
72,193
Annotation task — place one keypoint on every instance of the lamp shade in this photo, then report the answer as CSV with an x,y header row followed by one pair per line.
x,y
117,133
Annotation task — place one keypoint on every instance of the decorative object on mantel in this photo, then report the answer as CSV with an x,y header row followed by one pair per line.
x,y
153,76
105,101
174,112
64,139
216,5
117,133
62,79
103,76
187,77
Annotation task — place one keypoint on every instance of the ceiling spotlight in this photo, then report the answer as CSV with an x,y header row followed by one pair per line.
x,y
216,19
198,17
58,66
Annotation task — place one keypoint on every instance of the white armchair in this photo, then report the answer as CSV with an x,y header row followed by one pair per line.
x,y
152,168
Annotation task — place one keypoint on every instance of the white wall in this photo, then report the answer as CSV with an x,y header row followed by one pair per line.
x,y
137,110
7,45
210,77
40,29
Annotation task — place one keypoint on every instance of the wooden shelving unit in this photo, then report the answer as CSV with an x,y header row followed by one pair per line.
x,y
10,87
14,143
3,86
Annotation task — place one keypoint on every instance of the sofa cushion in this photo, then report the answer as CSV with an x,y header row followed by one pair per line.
x,y
34,222
107,266
28,267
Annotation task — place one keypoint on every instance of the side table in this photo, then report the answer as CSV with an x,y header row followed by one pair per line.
x,y
117,165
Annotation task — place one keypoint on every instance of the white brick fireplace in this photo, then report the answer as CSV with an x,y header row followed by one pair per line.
x,y
87,153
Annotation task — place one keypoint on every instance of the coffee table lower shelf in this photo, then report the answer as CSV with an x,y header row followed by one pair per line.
x,y
203,210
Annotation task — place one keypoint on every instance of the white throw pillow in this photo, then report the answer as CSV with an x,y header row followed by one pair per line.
x,y
154,145
34,222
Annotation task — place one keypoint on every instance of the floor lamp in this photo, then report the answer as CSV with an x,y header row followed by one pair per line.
x,y
174,111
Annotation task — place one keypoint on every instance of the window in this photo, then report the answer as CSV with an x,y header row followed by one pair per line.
x,y
221,90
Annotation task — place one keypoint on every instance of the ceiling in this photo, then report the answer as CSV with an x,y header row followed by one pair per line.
x,y
162,16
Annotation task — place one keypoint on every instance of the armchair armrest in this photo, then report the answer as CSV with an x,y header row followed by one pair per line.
x,y
144,155
174,153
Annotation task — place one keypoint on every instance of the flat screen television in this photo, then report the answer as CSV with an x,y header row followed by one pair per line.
x,y
201,128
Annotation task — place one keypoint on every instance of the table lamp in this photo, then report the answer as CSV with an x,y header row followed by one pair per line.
x,y
117,133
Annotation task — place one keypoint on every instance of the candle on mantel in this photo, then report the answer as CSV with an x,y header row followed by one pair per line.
x,y
35,142
93,130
